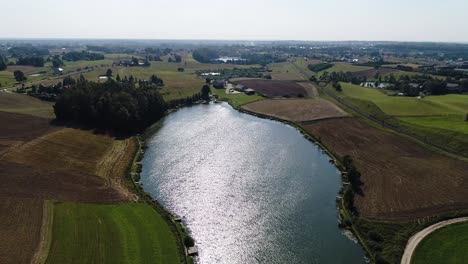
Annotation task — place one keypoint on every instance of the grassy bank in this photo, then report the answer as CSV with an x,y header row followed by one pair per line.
x,y
447,245
128,233
178,231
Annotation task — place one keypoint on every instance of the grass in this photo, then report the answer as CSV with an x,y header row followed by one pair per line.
x,y
236,100
23,104
446,245
285,71
130,233
408,106
346,67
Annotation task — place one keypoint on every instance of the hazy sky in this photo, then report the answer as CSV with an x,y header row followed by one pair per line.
x,y
411,20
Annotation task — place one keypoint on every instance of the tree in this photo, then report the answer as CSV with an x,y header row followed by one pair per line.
x,y
3,63
208,80
117,78
205,92
109,73
57,62
19,76
466,118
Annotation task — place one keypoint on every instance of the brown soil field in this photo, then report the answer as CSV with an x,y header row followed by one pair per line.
x,y
18,128
371,73
276,88
402,179
53,163
296,110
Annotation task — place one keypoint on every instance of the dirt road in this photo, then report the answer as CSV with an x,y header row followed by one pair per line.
x,y
418,237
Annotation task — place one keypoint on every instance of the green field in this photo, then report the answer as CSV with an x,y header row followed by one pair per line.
x,y
447,245
436,119
285,71
130,233
346,67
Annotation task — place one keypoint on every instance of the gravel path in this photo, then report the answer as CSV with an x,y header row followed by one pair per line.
x,y
418,237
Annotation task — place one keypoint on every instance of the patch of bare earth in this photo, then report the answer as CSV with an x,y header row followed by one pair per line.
x,y
296,110
402,180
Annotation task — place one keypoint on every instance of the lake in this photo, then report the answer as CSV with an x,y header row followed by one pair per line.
x,y
250,190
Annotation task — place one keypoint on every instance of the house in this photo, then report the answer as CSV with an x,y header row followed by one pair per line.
x,y
58,71
240,87
219,83
249,91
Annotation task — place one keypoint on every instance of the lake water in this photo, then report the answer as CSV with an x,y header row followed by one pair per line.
x,y
250,190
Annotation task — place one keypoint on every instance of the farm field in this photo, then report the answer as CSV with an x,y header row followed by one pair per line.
x,y
129,233
22,104
43,162
296,110
285,71
273,88
346,67
438,119
446,245
402,180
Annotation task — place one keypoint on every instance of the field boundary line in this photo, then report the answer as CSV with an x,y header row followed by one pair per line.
x,y
416,239
42,251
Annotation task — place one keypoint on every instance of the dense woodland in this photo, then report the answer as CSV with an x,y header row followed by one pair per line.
x,y
115,105
83,55
36,61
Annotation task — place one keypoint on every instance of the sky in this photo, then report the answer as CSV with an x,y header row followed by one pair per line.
x,y
392,20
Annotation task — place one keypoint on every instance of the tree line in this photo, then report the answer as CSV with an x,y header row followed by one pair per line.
x,y
83,55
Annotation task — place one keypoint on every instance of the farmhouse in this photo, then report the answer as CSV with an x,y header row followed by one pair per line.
x,y
219,83
240,88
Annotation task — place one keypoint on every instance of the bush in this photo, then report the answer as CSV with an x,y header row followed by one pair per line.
x,y
189,242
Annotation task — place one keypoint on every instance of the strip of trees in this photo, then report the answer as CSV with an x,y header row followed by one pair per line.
x,y
83,55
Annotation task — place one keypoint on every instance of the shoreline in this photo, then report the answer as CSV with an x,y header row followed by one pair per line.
x,y
178,229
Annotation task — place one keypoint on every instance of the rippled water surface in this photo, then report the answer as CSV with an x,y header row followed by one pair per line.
x,y
250,190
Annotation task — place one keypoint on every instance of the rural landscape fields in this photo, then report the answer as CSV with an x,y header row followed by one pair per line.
x,y
64,176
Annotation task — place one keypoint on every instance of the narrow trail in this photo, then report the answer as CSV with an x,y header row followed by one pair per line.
x,y
414,241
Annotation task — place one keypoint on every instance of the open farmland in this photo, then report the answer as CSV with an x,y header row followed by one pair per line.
x,y
437,119
41,162
296,110
131,233
346,67
272,88
285,71
402,180
371,73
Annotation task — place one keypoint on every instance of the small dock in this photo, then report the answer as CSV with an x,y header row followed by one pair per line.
x,y
192,251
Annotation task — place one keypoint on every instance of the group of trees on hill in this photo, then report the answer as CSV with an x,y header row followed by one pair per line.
x,y
205,55
36,61
83,55
111,105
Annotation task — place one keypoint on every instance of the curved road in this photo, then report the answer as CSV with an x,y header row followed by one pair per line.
x,y
418,237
